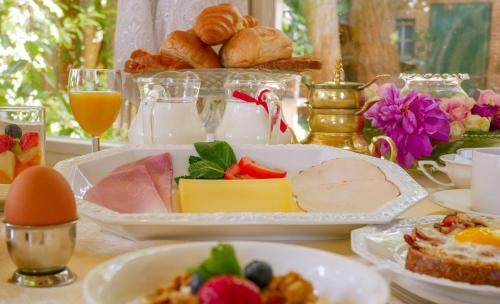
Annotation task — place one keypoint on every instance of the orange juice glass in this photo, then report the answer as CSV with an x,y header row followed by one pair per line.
x,y
95,98
95,111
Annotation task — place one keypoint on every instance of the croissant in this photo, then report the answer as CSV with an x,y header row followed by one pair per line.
x,y
189,48
250,21
143,61
216,24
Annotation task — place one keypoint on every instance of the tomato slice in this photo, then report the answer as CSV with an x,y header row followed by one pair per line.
x,y
234,172
250,167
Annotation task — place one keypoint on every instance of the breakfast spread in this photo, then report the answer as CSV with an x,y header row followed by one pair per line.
x,y
335,184
461,247
220,279
243,42
18,151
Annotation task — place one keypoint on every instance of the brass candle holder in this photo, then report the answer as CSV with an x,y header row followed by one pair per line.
x,y
336,114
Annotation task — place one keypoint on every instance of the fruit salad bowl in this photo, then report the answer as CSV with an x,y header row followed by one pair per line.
x,y
335,279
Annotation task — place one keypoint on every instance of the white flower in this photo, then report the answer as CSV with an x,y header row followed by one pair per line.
x,y
476,123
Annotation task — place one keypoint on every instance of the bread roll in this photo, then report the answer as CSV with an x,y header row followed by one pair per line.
x,y
254,46
189,48
217,24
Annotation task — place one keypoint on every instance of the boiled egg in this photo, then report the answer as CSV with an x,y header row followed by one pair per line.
x,y
40,196
479,235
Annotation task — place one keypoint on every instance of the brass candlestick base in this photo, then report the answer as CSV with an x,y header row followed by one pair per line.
x,y
61,278
348,141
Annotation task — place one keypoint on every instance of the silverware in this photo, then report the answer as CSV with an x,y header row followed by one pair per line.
x,y
41,253
407,296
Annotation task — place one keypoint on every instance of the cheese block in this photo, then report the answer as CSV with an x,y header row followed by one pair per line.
x,y
249,195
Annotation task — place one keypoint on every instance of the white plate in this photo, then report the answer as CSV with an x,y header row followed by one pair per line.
x,y
86,170
336,279
384,246
456,199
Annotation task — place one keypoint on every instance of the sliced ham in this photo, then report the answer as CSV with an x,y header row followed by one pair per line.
x,y
138,187
159,168
127,191
343,185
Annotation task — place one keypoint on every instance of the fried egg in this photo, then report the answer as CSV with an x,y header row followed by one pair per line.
x,y
480,236
480,243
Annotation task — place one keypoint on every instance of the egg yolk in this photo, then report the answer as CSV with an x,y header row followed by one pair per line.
x,y
479,235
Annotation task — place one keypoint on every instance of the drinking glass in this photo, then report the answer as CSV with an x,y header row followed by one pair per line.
x,y
22,133
95,97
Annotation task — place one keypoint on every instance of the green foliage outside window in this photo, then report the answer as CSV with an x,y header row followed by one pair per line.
x,y
39,41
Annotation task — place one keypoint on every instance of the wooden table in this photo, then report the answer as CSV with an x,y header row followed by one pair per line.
x,y
95,247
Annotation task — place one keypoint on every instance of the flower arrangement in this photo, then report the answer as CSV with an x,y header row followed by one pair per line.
x,y
417,122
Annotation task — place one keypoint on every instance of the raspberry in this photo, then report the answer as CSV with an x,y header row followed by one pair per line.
x,y
29,140
6,142
229,290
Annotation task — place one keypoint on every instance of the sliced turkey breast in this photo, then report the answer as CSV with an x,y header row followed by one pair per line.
x,y
343,185
348,196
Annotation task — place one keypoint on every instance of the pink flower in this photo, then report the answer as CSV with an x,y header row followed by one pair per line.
x,y
488,97
374,90
413,122
457,107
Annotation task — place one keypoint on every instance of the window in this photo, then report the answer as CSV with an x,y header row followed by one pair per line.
x,y
406,38
392,36
40,41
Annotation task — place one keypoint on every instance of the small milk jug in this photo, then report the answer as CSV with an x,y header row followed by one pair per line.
x,y
167,113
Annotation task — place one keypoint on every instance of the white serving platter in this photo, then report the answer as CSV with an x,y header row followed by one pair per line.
x,y
82,172
384,246
336,279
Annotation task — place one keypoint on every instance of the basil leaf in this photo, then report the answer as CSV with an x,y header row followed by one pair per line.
x,y
205,169
193,159
219,152
178,178
222,261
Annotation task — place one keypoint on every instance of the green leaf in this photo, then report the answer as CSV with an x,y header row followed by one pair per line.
x,y
193,159
219,152
206,169
222,261
17,66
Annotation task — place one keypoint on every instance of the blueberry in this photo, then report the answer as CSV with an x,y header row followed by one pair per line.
x,y
14,131
259,272
196,282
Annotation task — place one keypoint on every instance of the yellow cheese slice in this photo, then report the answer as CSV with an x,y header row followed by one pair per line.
x,y
254,195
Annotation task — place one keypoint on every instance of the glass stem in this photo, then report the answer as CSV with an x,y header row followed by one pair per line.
x,y
96,144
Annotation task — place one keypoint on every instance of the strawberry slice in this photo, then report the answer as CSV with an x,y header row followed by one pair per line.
x,y
6,142
29,140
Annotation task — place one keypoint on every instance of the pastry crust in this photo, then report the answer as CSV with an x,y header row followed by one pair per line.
x,y
186,46
437,264
253,46
218,23
297,64
142,61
